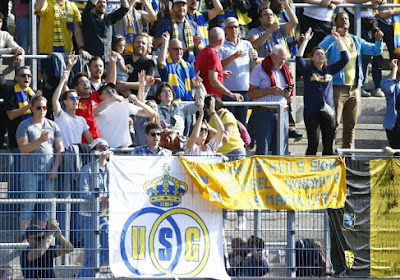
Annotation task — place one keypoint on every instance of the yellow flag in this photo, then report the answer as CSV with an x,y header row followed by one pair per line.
x,y
261,182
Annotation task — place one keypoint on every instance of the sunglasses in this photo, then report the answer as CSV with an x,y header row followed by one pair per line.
x,y
74,98
102,147
41,107
110,91
155,134
204,129
25,75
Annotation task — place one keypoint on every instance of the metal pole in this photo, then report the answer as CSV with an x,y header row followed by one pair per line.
x,y
34,67
96,216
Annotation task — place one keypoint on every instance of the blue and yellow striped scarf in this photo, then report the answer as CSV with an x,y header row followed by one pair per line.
x,y
188,37
23,100
58,43
202,24
173,79
132,22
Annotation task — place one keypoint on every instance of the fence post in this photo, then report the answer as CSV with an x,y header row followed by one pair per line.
x,y
32,18
97,216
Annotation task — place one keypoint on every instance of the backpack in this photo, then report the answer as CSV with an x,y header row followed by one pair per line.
x,y
310,258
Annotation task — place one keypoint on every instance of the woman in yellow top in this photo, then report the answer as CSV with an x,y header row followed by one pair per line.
x,y
232,143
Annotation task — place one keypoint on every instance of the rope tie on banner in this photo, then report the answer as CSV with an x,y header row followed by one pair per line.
x,y
395,202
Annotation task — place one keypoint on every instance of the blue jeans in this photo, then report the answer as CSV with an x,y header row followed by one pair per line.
x,y
266,128
36,186
240,112
89,266
315,122
22,37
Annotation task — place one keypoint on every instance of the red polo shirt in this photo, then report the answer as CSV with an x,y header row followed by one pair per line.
x,y
209,59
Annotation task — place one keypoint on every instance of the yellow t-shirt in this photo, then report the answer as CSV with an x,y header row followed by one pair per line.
x,y
350,68
46,30
235,141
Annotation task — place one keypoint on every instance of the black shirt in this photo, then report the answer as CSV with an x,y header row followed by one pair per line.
x,y
97,33
41,267
142,63
11,103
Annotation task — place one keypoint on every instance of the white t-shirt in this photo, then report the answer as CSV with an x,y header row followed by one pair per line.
x,y
319,13
113,123
211,150
71,128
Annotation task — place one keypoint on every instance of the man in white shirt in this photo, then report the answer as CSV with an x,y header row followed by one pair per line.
x,y
113,120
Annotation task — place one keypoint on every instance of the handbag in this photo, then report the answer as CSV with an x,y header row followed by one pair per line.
x,y
327,111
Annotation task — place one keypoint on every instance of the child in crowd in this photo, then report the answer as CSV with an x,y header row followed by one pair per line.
x,y
118,45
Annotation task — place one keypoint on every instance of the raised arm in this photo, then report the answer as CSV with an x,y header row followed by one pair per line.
x,y
38,5
103,105
220,126
293,20
145,110
55,100
162,56
112,75
149,15
306,38
217,8
259,41
65,246
196,128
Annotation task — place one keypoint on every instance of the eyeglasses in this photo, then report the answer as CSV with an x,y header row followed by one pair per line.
x,y
110,91
155,134
177,49
84,82
102,147
233,27
24,75
74,98
204,129
41,107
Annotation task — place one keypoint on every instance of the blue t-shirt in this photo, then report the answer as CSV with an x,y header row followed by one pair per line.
x,y
166,25
240,67
181,94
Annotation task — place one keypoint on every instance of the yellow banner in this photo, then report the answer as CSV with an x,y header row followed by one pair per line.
x,y
261,182
385,218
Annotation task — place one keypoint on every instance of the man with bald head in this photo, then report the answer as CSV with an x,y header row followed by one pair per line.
x,y
208,63
174,70
269,82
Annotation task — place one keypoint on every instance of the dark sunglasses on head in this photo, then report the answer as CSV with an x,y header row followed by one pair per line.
x,y
25,75
41,107
155,134
74,98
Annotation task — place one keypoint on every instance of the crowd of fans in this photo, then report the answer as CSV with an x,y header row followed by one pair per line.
x,y
142,57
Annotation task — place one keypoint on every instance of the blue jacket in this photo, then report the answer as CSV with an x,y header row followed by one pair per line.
x,y
392,91
362,47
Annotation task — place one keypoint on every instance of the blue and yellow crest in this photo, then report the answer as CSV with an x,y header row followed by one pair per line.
x,y
165,191
349,220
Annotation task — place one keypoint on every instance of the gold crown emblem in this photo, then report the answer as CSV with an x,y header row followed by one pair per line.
x,y
165,191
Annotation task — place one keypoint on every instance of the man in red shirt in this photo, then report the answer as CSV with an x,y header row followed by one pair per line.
x,y
208,63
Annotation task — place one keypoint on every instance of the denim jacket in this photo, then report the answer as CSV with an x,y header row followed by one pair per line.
x,y
362,47
391,89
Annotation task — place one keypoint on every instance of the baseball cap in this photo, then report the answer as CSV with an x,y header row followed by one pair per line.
x,y
95,142
178,1
32,229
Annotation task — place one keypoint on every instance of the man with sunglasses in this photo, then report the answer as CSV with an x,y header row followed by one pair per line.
x,y
72,126
41,138
153,135
236,56
93,181
113,119
37,260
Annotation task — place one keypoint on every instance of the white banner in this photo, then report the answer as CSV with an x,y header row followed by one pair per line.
x,y
159,223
